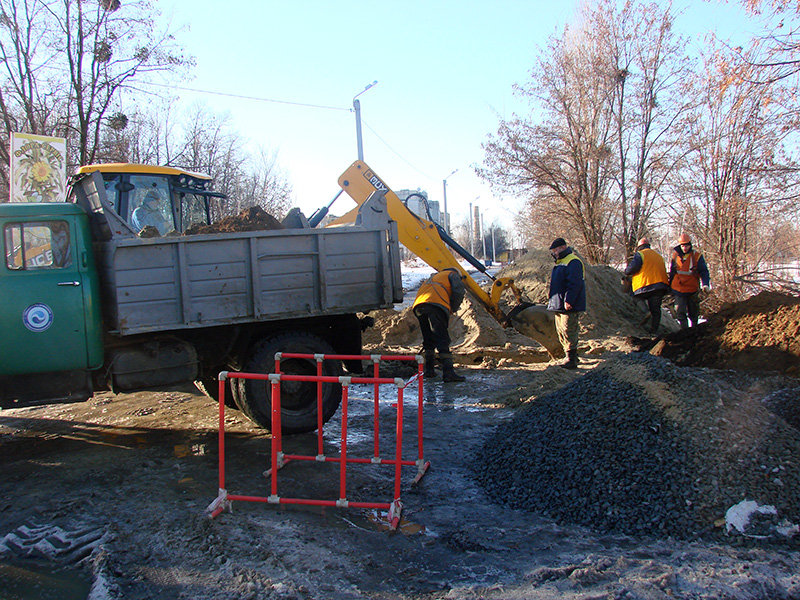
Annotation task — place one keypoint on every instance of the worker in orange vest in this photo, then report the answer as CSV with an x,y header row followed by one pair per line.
x,y
687,273
438,296
649,282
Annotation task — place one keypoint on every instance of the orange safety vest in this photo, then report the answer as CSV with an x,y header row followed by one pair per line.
x,y
687,278
435,290
653,270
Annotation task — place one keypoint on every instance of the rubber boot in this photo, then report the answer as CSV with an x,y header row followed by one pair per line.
x,y
572,360
654,323
448,372
430,359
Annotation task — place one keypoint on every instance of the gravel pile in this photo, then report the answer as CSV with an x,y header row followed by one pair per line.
x,y
642,447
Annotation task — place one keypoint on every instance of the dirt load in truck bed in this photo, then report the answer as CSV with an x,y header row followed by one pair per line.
x,y
250,219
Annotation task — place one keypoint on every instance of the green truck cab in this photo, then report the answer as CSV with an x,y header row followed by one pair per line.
x,y
51,320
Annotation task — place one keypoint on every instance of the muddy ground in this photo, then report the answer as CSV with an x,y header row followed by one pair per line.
x,y
107,499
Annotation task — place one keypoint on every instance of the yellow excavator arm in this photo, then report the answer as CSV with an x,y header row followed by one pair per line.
x,y
422,237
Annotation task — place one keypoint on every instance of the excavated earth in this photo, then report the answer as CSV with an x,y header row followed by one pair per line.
x,y
662,468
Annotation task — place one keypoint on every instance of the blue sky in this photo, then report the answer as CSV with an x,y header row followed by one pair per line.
x,y
445,71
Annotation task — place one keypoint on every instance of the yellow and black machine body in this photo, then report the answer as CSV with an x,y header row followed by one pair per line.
x,y
430,242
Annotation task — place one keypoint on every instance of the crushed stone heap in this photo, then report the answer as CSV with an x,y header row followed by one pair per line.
x,y
642,447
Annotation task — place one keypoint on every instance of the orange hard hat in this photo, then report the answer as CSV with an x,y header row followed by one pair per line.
x,y
643,242
684,239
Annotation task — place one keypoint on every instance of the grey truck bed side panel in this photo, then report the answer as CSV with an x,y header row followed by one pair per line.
x,y
220,279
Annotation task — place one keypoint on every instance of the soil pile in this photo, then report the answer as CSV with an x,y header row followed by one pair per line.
x,y
611,315
250,219
609,310
642,447
761,333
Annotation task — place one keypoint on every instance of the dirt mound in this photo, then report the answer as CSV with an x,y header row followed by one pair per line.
x,y
609,310
611,315
761,333
250,219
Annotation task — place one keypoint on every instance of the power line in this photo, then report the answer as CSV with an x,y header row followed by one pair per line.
x,y
242,97
257,99
400,156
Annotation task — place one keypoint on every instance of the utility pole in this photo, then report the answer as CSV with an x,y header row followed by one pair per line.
x,y
444,195
483,237
471,241
494,257
476,224
357,108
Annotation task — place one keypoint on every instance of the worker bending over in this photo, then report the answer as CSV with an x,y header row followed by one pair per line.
x,y
438,296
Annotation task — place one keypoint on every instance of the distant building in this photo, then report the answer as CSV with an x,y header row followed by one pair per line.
x,y
416,205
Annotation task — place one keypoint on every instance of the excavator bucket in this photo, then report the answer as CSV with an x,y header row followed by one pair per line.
x,y
536,322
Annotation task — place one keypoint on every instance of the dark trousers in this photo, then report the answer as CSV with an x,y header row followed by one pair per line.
x,y
687,305
653,301
433,322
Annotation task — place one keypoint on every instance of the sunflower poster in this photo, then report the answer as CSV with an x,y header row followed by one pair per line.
x,y
38,168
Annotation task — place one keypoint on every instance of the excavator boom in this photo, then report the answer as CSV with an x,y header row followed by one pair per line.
x,y
420,236
430,242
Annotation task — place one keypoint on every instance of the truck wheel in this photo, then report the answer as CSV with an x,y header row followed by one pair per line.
x,y
210,387
298,398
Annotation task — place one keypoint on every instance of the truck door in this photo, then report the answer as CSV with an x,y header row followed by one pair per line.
x,y
42,289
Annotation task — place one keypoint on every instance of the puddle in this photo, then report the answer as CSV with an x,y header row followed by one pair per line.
x,y
375,520
32,580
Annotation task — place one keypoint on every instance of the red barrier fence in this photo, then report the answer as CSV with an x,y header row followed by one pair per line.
x,y
279,459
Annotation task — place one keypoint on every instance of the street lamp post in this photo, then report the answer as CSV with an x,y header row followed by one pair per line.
x,y
357,108
483,235
444,194
472,224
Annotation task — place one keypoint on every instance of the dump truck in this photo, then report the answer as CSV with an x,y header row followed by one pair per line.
x,y
108,292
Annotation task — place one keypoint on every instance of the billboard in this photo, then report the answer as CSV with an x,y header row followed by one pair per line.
x,y
38,168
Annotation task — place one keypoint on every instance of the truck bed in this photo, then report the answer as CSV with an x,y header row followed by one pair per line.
x,y
219,279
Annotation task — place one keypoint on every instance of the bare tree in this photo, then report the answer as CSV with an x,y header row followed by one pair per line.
x,y
738,179
211,145
780,44
107,48
32,96
562,163
265,185
648,66
597,148
67,63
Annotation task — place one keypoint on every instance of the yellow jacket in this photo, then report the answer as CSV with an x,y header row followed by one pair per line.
x,y
439,289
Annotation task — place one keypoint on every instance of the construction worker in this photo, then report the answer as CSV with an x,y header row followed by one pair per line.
x,y
687,272
649,281
567,298
438,296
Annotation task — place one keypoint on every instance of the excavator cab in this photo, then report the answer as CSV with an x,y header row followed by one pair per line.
x,y
182,198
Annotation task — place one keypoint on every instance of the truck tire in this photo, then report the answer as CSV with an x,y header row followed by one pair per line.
x,y
210,387
298,398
